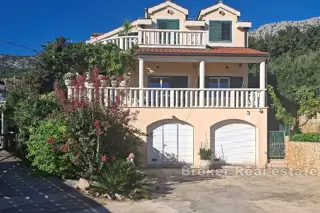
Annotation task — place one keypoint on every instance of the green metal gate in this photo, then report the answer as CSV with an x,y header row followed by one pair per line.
x,y
276,145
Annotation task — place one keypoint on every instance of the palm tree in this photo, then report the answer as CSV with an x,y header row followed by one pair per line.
x,y
127,27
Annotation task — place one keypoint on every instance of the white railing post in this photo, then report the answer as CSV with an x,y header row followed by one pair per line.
x,y
171,98
141,82
172,38
140,34
70,92
204,38
121,43
201,82
262,83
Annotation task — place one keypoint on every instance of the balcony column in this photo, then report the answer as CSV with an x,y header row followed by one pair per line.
x,y
262,83
201,82
141,82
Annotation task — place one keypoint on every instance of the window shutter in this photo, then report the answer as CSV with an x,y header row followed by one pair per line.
x,y
173,24
162,24
226,31
236,82
215,31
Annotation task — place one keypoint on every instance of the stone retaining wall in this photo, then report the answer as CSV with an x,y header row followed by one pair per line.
x,y
304,156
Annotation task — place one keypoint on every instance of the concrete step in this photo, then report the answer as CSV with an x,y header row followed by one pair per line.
x,y
277,163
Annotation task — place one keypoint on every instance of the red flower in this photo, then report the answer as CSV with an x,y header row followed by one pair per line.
x,y
117,100
96,71
64,148
121,78
99,132
108,124
104,77
104,158
54,148
97,124
50,140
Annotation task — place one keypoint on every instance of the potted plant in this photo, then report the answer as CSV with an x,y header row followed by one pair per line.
x,y
205,158
123,81
114,82
68,77
103,80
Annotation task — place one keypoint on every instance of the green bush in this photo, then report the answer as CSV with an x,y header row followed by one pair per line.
x,y
25,109
122,178
48,149
308,137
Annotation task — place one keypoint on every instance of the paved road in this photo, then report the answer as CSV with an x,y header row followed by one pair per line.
x,y
22,192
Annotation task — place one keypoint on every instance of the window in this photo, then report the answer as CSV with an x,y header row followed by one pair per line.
x,y
220,31
168,24
159,82
219,82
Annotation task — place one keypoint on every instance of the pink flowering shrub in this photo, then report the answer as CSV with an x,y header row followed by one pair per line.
x,y
96,134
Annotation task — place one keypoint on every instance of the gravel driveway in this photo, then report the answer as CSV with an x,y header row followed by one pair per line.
x,y
21,192
231,194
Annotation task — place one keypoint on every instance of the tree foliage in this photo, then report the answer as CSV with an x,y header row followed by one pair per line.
x,y
294,70
63,56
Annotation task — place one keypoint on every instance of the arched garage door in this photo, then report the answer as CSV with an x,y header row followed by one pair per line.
x,y
235,143
170,143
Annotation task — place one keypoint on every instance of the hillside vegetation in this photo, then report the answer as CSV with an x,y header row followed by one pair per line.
x,y
294,69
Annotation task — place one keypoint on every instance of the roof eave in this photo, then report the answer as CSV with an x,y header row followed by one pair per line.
x,y
204,54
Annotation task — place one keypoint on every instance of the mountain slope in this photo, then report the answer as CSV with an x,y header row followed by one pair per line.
x,y
11,65
274,28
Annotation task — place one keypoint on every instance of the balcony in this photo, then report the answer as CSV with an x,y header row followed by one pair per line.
x,y
161,38
171,97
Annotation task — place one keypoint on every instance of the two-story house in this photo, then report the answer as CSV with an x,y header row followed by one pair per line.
x,y
191,87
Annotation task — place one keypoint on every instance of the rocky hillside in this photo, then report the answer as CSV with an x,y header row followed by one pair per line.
x,y
274,28
15,65
16,62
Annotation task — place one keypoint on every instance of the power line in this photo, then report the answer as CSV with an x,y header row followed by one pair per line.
x,y
18,45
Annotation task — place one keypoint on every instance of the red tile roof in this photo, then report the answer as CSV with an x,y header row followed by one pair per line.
x,y
224,51
96,34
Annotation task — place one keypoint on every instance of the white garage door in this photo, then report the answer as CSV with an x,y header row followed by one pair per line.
x,y
171,144
236,144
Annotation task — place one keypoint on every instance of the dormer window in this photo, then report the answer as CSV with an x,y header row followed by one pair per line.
x,y
220,31
168,24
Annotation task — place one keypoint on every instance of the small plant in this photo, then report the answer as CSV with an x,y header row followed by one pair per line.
x,y
205,154
122,178
69,76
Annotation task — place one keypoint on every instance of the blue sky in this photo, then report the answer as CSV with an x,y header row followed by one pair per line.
x,y
33,22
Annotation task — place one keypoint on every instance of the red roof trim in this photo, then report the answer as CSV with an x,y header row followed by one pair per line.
x,y
96,34
234,51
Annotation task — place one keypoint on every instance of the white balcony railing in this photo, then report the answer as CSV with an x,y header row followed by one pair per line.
x,y
161,38
171,38
171,98
123,42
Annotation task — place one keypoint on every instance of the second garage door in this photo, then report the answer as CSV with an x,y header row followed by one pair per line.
x,y
236,144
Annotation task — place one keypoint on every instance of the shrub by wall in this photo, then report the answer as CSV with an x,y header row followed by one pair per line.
x,y
308,137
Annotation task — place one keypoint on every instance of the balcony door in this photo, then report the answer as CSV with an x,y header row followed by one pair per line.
x,y
219,82
165,82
